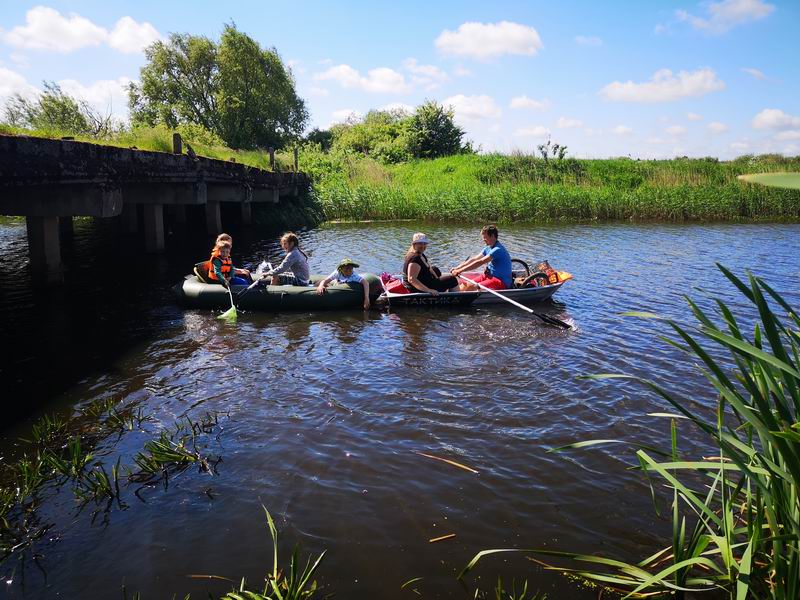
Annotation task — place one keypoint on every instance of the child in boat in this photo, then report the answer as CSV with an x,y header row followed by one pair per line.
x,y
293,270
220,266
243,274
345,273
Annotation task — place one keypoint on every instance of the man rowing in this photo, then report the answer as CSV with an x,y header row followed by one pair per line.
x,y
497,274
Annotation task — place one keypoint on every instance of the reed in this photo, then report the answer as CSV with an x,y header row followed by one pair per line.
x,y
735,516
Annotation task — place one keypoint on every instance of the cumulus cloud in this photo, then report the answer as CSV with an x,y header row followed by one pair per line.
x,y
537,132
675,130
380,80
428,76
47,29
665,86
473,108
568,123
754,73
694,116
107,96
12,83
740,145
525,102
392,106
724,16
590,40
592,132
790,134
489,40
773,118
717,127
345,114
622,130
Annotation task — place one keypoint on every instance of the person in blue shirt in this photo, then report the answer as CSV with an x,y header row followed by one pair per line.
x,y
497,274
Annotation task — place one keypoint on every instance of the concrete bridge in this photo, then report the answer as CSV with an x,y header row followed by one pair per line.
x,y
51,181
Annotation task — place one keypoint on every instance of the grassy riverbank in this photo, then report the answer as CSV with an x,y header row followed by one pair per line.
x,y
507,188
524,188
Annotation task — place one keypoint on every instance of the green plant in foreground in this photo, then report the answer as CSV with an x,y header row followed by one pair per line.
x,y
736,516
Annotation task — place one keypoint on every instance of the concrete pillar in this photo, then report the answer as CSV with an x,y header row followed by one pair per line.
x,y
271,158
177,143
130,217
247,213
43,243
153,227
296,161
65,226
276,196
213,218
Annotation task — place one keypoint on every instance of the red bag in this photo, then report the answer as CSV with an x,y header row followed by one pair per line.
x,y
397,287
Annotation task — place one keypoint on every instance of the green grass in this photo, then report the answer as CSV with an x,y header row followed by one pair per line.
x,y
735,515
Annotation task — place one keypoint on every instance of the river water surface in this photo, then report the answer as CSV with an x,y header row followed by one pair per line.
x,y
323,418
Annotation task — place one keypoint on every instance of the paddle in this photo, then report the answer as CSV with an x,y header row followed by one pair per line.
x,y
545,318
230,314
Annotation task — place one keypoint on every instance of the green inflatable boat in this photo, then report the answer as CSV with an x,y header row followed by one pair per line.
x,y
195,293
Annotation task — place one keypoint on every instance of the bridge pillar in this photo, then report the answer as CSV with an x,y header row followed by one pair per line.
x,y
213,218
43,244
247,213
130,217
153,227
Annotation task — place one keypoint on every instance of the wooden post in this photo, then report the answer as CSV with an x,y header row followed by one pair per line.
x,y
153,227
177,143
271,158
296,162
213,218
43,243
247,213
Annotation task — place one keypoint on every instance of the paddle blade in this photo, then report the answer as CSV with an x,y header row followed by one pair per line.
x,y
229,315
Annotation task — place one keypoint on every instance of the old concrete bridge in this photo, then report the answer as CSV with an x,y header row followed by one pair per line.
x,y
51,181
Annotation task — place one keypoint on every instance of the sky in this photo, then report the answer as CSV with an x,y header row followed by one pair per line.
x,y
641,79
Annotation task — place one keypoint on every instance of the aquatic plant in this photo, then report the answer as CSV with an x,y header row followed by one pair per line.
x,y
736,516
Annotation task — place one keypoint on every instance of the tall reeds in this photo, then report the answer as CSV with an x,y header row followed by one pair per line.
x,y
735,516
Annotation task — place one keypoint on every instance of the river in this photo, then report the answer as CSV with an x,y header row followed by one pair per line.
x,y
324,418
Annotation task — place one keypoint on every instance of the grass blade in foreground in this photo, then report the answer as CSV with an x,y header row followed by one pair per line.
x,y
741,532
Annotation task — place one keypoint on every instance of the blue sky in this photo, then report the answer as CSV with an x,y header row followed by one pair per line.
x,y
646,79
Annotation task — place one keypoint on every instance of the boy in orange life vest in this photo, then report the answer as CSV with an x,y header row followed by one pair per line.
x,y
220,266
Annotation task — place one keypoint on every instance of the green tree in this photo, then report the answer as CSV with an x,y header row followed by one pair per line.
x,y
54,110
434,133
383,135
235,89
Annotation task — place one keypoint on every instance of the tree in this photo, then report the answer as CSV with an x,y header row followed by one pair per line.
x,y
53,109
433,132
381,134
323,137
235,89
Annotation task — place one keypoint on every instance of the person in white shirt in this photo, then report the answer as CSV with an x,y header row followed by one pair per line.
x,y
344,273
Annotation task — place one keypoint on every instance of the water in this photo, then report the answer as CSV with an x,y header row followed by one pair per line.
x,y
323,417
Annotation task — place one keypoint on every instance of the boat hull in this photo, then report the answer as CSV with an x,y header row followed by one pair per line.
x,y
531,295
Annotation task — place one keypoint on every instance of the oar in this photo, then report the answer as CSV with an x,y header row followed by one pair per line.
x,y
546,318
230,314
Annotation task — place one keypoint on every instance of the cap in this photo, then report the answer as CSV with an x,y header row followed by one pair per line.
x,y
346,262
420,238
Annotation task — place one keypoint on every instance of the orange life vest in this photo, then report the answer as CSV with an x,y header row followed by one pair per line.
x,y
227,265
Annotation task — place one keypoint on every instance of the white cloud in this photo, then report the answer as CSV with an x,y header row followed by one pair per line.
x,y
622,130
568,123
538,132
344,114
727,14
665,86
296,65
129,37
755,73
107,96
12,83
472,108
462,72
739,145
773,118
592,132
790,134
320,92
591,40
489,40
694,116
47,29
525,102
717,127
428,76
19,60
381,80
398,106
675,130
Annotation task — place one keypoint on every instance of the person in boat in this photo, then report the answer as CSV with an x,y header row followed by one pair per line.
x,y
220,267
420,275
345,273
494,257
293,270
242,273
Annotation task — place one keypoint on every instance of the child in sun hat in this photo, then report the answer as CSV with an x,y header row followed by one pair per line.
x,y
345,273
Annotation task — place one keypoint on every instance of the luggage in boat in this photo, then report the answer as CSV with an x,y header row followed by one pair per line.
x,y
195,293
